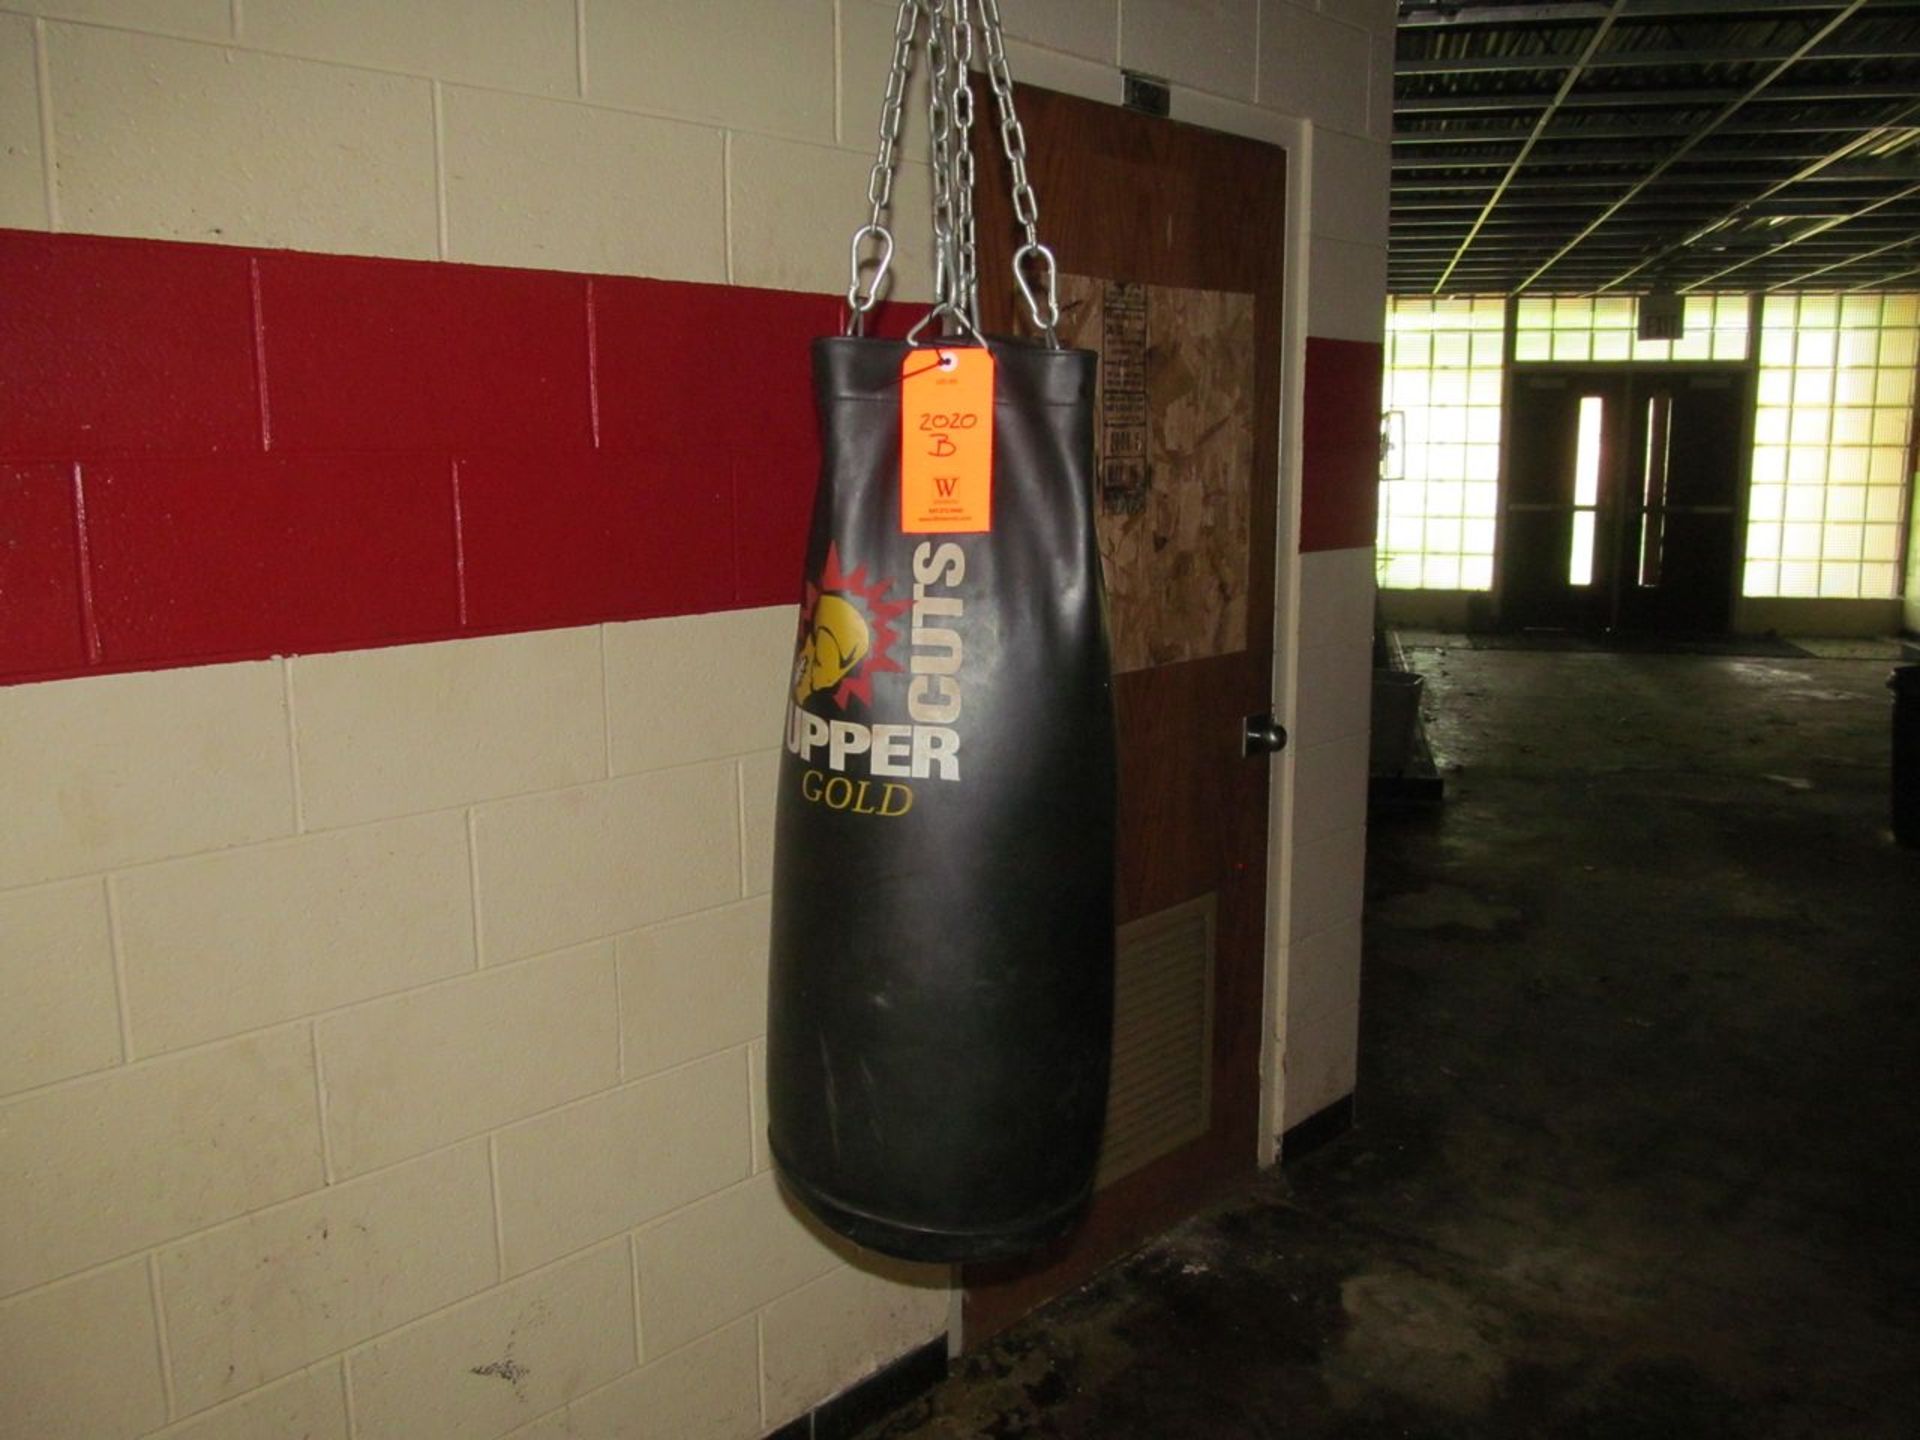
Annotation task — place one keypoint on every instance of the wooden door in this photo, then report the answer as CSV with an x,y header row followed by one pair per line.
x,y
1169,241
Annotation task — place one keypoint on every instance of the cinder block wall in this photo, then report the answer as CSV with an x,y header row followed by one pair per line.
x,y
381,1056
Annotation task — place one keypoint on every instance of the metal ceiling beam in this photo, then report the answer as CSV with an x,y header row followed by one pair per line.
x,y
1646,59
1903,169
1774,72
1705,263
1601,266
1540,124
1498,285
1453,217
1524,255
1584,280
1826,166
1709,212
1821,228
1800,207
1675,208
1849,120
1775,226
1604,157
1824,177
1610,253
1563,222
1470,185
1500,278
1522,258
1500,282
1636,245
1905,221
1486,198
1632,99
1910,242
1449,15
1473,185
1880,281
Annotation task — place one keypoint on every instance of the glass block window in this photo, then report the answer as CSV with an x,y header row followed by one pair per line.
x,y
1439,495
1570,329
1832,423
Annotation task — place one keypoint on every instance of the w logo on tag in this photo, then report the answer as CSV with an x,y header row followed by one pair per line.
x,y
946,485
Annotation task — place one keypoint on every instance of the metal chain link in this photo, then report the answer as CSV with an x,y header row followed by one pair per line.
x,y
966,287
861,299
950,114
940,53
1026,209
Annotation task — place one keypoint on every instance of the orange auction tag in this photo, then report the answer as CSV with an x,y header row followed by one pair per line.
x,y
946,440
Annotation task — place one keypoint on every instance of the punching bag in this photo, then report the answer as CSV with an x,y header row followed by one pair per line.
x,y
941,990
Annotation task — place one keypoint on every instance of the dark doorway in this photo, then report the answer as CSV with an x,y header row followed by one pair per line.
x,y
1622,500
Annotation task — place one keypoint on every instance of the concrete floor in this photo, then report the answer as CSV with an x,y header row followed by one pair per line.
x,y
1636,1145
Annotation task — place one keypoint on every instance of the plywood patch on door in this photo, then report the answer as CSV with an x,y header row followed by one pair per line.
x,y
1160,1096
1174,424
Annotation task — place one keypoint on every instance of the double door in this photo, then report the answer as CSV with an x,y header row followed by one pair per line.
x,y
1623,494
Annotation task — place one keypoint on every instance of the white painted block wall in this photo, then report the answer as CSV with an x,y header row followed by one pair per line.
x,y
379,1016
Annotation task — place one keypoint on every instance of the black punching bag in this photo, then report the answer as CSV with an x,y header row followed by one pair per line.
x,y
941,1000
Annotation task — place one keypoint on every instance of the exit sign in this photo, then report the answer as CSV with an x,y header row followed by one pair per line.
x,y
1663,317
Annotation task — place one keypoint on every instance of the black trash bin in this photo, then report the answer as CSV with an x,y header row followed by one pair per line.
x,y
1905,684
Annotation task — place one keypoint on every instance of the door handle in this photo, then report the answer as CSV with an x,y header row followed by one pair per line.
x,y
1263,735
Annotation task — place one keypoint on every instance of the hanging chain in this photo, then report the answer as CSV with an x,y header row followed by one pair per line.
x,y
863,292
940,54
950,115
1026,209
966,288
949,118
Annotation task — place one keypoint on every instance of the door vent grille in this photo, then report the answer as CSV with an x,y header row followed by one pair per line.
x,y
1161,1094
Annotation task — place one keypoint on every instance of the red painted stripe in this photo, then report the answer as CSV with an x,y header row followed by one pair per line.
x,y
124,346
215,453
1340,444
420,357
39,569
234,556
771,515
567,540
711,382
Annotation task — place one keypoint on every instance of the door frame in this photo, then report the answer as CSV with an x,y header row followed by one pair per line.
x,y
1294,136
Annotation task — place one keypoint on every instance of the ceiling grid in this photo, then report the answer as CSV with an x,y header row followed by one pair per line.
x,y
1581,146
